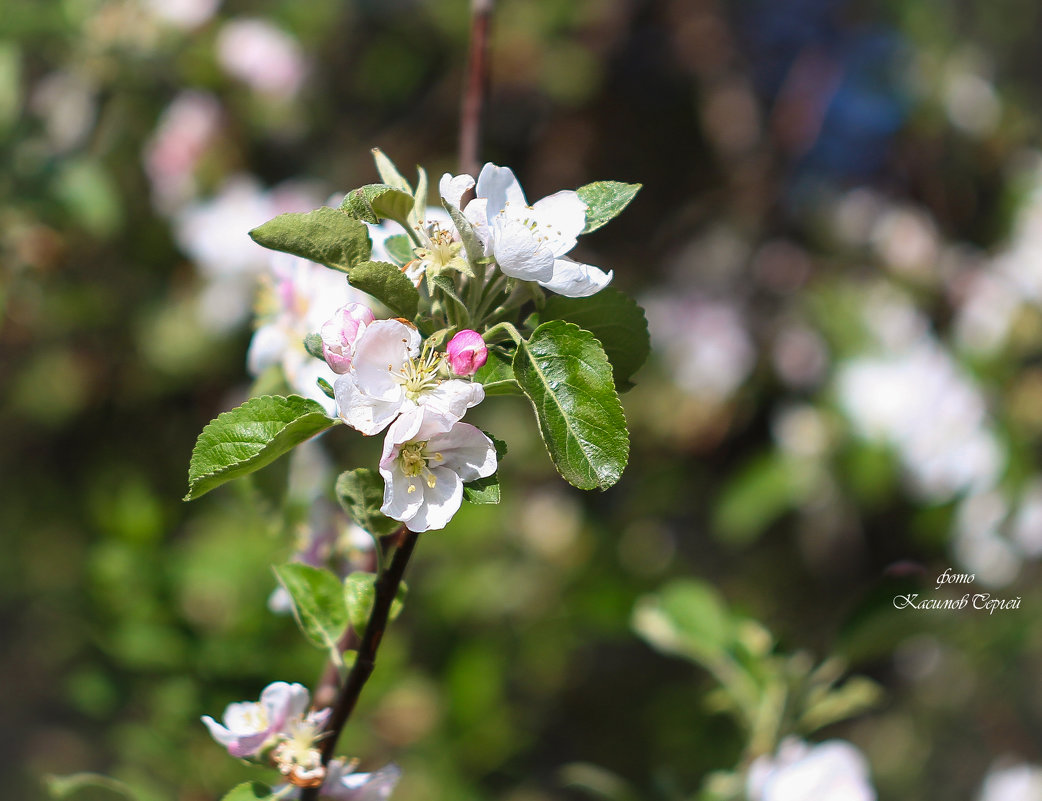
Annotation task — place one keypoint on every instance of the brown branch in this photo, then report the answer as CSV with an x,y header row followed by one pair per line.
x,y
476,87
386,589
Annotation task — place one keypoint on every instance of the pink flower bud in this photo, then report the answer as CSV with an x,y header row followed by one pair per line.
x,y
340,332
467,352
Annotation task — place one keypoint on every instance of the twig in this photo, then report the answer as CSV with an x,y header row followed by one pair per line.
x,y
476,87
386,589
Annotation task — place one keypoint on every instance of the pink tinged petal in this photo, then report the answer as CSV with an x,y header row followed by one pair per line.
x,y
282,702
499,187
363,412
466,451
560,217
452,188
467,352
219,732
267,347
451,399
576,280
440,502
383,348
340,332
519,252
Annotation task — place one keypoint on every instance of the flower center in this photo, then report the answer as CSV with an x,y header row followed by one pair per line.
x,y
418,376
441,249
298,758
413,458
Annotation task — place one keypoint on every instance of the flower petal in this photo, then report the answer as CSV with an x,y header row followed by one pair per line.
x,y
560,217
266,348
347,786
440,502
576,280
403,495
452,187
466,451
519,252
451,399
499,186
363,411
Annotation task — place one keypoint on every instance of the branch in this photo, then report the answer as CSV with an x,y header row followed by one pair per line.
x,y
386,589
476,87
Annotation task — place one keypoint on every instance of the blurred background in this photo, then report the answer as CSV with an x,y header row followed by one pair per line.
x,y
839,247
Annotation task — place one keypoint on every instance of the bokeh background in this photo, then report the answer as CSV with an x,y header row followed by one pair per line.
x,y
839,247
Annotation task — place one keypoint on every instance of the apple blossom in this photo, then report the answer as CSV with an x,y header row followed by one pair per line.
x,y
530,242
389,374
466,352
830,771
342,783
427,456
340,331
250,726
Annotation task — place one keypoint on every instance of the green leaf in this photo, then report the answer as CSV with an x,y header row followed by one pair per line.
x,y
251,436
361,493
325,235
249,791
318,603
88,785
360,594
858,694
419,208
387,284
486,490
471,243
757,494
604,201
399,248
388,172
497,375
374,202
615,319
564,372
686,617
313,345
448,287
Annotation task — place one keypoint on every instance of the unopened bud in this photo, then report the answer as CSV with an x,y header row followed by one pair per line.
x,y
467,352
340,332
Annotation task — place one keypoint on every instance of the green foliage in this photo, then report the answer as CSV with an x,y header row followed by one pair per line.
x,y
88,787
399,247
359,596
325,235
361,493
486,490
374,202
388,172
564,372
313,345
758,494
387,284
251,436
318,603
616,320
497,375
250,791
471,244
604,201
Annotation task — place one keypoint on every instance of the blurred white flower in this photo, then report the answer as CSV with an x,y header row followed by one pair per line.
x,y
66,103
184,14
703,343
261,55
186,129
1021,782
978,542
250,726
830,771
297,298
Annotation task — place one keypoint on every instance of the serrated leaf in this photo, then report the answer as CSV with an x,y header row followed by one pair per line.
x,y
75,784
360,594
615,319
251,436
604,201
472,245
249,791
325,235
318,602
564,372
486,490
497,375
389,285
361,493
388,172
374,202
399,248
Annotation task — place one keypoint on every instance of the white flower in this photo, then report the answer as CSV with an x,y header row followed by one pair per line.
x,y
529,242
344,785
297,299
339,333
185,131
262,56
831,771
426,458
1021,782
251,725
390,375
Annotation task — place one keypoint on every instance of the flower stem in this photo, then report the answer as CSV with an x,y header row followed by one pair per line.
x,y
476,87
386,589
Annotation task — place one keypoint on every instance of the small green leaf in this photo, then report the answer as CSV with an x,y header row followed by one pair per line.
x,y
604,201
360,594
325,235
387,284
313,345
374,202
564,372
361,493
388,172
318,602
497,375
399,248
89,785
249,791
251,436
615,319
326,387
688,618
486,490
471,243
448,287
419,209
